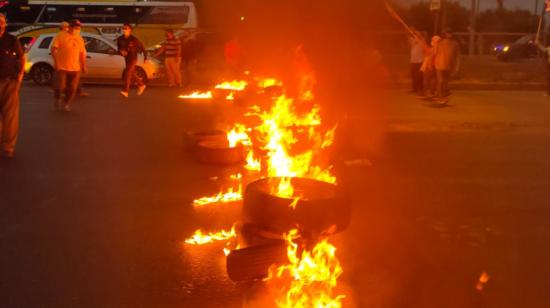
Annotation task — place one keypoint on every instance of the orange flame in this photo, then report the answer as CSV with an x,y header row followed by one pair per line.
x,y
313,276
199,238
231,195
238,135
197,95
235,85
269,82
252,164
276,129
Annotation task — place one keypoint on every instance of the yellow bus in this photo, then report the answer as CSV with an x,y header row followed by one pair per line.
x,y
149,18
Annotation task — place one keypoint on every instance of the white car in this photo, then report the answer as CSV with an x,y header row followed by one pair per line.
x,y
103,60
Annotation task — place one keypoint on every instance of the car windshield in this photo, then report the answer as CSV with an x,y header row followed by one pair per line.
x,y
524,40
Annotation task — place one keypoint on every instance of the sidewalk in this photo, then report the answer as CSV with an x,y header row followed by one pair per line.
x,y
469,111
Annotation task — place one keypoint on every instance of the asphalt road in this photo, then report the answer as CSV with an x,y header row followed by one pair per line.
x,y
94,209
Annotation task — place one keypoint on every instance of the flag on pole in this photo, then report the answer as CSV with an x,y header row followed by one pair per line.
x,y
396,16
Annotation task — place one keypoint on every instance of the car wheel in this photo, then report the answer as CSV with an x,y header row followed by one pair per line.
x,y
42,74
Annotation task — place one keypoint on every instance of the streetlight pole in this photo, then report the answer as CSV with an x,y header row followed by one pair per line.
x,y
473,28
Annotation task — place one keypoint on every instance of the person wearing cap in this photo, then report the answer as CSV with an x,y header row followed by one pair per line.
x,y
12,63
172,58
447,57
129,47
69,55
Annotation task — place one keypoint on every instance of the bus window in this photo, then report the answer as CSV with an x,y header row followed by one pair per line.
x,y
166,15
96,14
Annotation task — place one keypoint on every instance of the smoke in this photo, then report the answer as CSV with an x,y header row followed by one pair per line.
x,y
338,38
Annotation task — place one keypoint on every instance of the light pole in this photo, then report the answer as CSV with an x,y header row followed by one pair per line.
x,y
473,28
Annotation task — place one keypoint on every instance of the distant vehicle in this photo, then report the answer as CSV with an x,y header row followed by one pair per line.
x,y
149,18
103,60
522,48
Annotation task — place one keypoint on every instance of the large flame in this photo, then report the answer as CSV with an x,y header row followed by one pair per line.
x,y
277,128
313,276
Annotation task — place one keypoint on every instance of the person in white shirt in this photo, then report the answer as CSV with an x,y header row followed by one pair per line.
x,y
416,60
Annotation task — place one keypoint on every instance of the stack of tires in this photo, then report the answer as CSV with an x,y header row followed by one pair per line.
x,y
321,210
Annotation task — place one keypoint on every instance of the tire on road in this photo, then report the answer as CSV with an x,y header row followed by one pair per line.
x,y
324,207
191,140
42,74
219,153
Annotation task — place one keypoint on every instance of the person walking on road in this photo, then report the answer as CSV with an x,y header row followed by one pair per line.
x,y
172,58
12,63
69,57
447,64
129,47
415,60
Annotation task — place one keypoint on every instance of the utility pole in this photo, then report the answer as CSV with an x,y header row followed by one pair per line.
x,y
443,15
473,18
435,7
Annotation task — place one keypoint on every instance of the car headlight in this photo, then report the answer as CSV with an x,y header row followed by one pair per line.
x,y
506,48
28,66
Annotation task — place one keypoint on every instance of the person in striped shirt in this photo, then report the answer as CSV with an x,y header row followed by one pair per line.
x,y
172,58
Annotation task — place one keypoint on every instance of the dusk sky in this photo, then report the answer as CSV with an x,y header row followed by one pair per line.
x,y
488,4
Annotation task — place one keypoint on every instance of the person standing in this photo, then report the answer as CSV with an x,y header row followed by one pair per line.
x,y
188,55
69,56
12,63
172,58
129,47
546,51
447,57
428,68
415,60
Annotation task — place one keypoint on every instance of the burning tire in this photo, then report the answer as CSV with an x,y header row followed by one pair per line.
x,y
253,263
322,208
218,152
191,140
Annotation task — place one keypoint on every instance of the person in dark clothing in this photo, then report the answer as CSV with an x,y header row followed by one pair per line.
x,y
188,55
129,47
12,63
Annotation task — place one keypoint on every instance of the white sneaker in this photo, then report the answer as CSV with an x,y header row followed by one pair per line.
x,y
124,93
141,89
